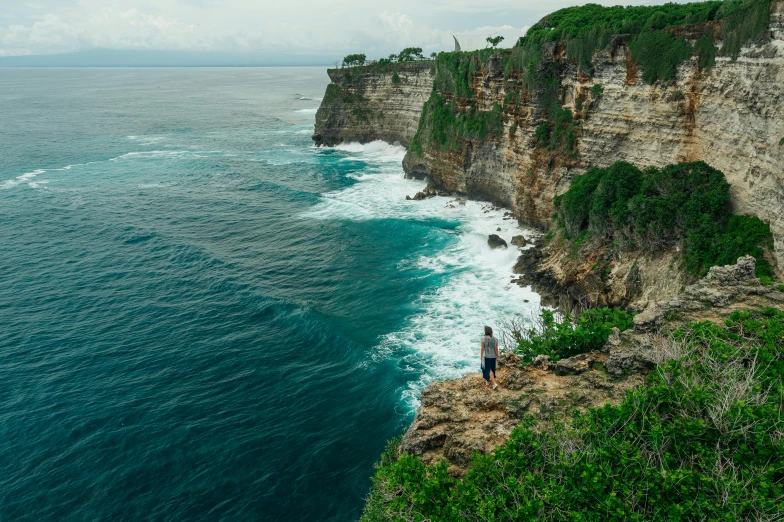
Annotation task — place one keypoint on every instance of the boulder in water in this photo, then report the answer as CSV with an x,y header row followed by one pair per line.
x,y
495,241
518,241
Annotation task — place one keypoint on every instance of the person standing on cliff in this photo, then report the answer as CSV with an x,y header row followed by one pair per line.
x,y
489,355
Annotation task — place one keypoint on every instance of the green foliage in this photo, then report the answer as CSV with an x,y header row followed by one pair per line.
x,y
597,90
700,441
561,336
494,41
354,60
332,93
705,51
596,21
395,77
743,235
589,28
442,124
780,288
660,208
677,96
781,142
659,53
558,134
744,20
410,54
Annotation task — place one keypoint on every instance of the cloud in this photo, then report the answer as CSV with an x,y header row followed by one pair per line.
x,y
289,26
106,28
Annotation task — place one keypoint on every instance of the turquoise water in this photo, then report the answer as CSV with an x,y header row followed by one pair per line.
x,y
207,318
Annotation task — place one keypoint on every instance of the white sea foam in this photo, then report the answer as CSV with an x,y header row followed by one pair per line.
x,y
304,131
24,178
147,140
441,340
307,111
150,154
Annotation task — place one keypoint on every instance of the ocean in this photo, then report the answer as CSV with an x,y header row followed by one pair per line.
x,y
204,317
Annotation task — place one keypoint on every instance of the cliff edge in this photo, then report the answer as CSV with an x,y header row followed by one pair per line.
x,y
372,102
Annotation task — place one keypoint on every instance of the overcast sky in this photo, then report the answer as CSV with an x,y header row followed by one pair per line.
x,y
331,28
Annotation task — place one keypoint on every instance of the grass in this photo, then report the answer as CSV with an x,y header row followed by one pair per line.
x,y
701,440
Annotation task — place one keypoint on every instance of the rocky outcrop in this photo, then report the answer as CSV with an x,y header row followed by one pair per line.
x,y
575,277
724,290
731,116
495,241
364,104
460,416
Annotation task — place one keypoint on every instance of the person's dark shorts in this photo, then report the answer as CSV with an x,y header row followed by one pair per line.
x,y
489,367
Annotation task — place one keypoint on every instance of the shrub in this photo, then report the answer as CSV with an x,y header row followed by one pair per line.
x,y
659,53
563,335
677,96
597,90
744,20
701,440
684,204
705,51
441,124
395,77
781,142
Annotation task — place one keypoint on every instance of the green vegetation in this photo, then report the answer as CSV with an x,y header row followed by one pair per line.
x,y
678,96
781,142
446,124
561,336
558,134
705,51
597,90
395,77
331,94
659,54
744,20
354,60
702,440
494,41
685,204
410,54
589,28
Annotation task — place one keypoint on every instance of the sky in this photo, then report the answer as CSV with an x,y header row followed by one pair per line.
x,y
324,29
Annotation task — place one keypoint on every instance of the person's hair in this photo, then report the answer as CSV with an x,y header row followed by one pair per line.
x,y
488,331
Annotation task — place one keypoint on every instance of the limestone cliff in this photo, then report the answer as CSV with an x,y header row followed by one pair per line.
x,y
731,116
364,104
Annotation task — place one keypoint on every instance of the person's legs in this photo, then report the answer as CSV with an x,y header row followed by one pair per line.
x,y
491,370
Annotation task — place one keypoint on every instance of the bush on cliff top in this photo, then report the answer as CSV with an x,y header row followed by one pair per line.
x,y
685,204
700,441
562,335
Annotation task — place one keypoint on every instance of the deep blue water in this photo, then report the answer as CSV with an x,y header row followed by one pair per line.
x,y
203,316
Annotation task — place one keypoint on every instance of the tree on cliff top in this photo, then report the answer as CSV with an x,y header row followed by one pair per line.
x,y
410,54
494,40
353,60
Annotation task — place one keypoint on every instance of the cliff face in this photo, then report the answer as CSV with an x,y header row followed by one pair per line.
x,y
731,116
364,104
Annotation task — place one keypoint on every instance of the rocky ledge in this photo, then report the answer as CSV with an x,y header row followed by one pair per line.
x,y
460,416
